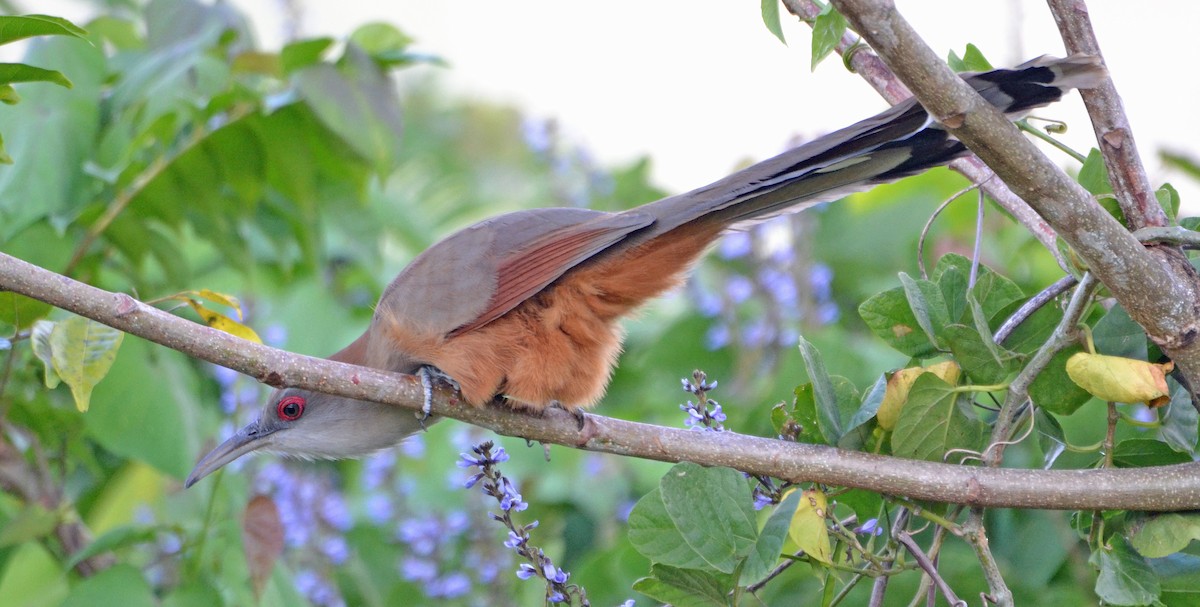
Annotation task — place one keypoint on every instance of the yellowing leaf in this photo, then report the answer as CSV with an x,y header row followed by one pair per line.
x,y
898,385
220,298
1118,379
807,528
40,336
82,351
224,323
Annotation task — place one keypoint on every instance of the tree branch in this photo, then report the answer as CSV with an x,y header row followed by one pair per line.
x,y
1160,292
1155,488
1121,157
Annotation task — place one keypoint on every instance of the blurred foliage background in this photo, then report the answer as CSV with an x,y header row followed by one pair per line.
x,y
300,180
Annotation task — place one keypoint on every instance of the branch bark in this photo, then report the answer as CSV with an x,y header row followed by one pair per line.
x,y
1160,292
1157,488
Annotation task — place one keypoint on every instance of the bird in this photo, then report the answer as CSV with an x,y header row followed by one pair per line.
x,y
527,305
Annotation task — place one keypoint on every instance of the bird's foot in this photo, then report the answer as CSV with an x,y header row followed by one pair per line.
x,y
576,412
428,375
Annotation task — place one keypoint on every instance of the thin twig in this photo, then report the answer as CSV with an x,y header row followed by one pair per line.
x,y
1034,304
928,567
929,224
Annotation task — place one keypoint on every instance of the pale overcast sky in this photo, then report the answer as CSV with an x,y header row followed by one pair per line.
x,y
701,86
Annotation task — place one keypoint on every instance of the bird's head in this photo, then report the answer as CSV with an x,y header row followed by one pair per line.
x,y
311,425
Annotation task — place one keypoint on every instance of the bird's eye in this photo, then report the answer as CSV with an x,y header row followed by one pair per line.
x,y
290,408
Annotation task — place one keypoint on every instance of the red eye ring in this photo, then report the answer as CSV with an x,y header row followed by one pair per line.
x,y
290,408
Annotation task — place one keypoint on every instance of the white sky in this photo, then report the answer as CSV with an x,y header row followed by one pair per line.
x,y
701,86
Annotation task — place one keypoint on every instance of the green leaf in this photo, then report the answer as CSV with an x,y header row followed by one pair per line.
x,y
862,422
1143,452
1051,438
932,424
114,539
971,61
119,585
27,26
770,17
1168,199
1160,535
1116,334
49,182
889,316
32,577
977,360
20,312
380,39
712,510
303,53
654,534
954,282
83,351
993,291
358,102
19,72
827,32
193,594
685,587
1093,175
804,411
1179,420
149,421
32,522
928,307
865,504
826,399
766,551
1125,578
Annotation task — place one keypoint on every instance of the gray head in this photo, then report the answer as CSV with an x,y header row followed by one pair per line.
x,y
311,425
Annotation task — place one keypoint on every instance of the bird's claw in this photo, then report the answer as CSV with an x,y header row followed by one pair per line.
x,y
579,415
428,374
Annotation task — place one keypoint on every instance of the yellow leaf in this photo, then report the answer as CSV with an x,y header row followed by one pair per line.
x,y
220,298
1118,379
224,323
807,528
898,385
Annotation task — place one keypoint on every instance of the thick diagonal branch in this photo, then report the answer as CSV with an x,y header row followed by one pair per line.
x,y
1160,292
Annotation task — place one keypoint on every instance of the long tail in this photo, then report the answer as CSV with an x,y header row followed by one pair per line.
x,y
896,143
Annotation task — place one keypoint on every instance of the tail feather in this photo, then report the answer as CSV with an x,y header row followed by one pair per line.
x,y
896,143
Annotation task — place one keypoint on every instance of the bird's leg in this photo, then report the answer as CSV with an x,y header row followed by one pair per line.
x,y
428,374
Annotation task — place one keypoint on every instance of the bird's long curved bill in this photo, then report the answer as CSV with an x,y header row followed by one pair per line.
x,y
244,441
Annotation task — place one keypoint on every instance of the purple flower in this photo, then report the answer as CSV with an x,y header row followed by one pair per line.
x,y
510,499
871,527
335,513
526,571
739,288
416,569
335,549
